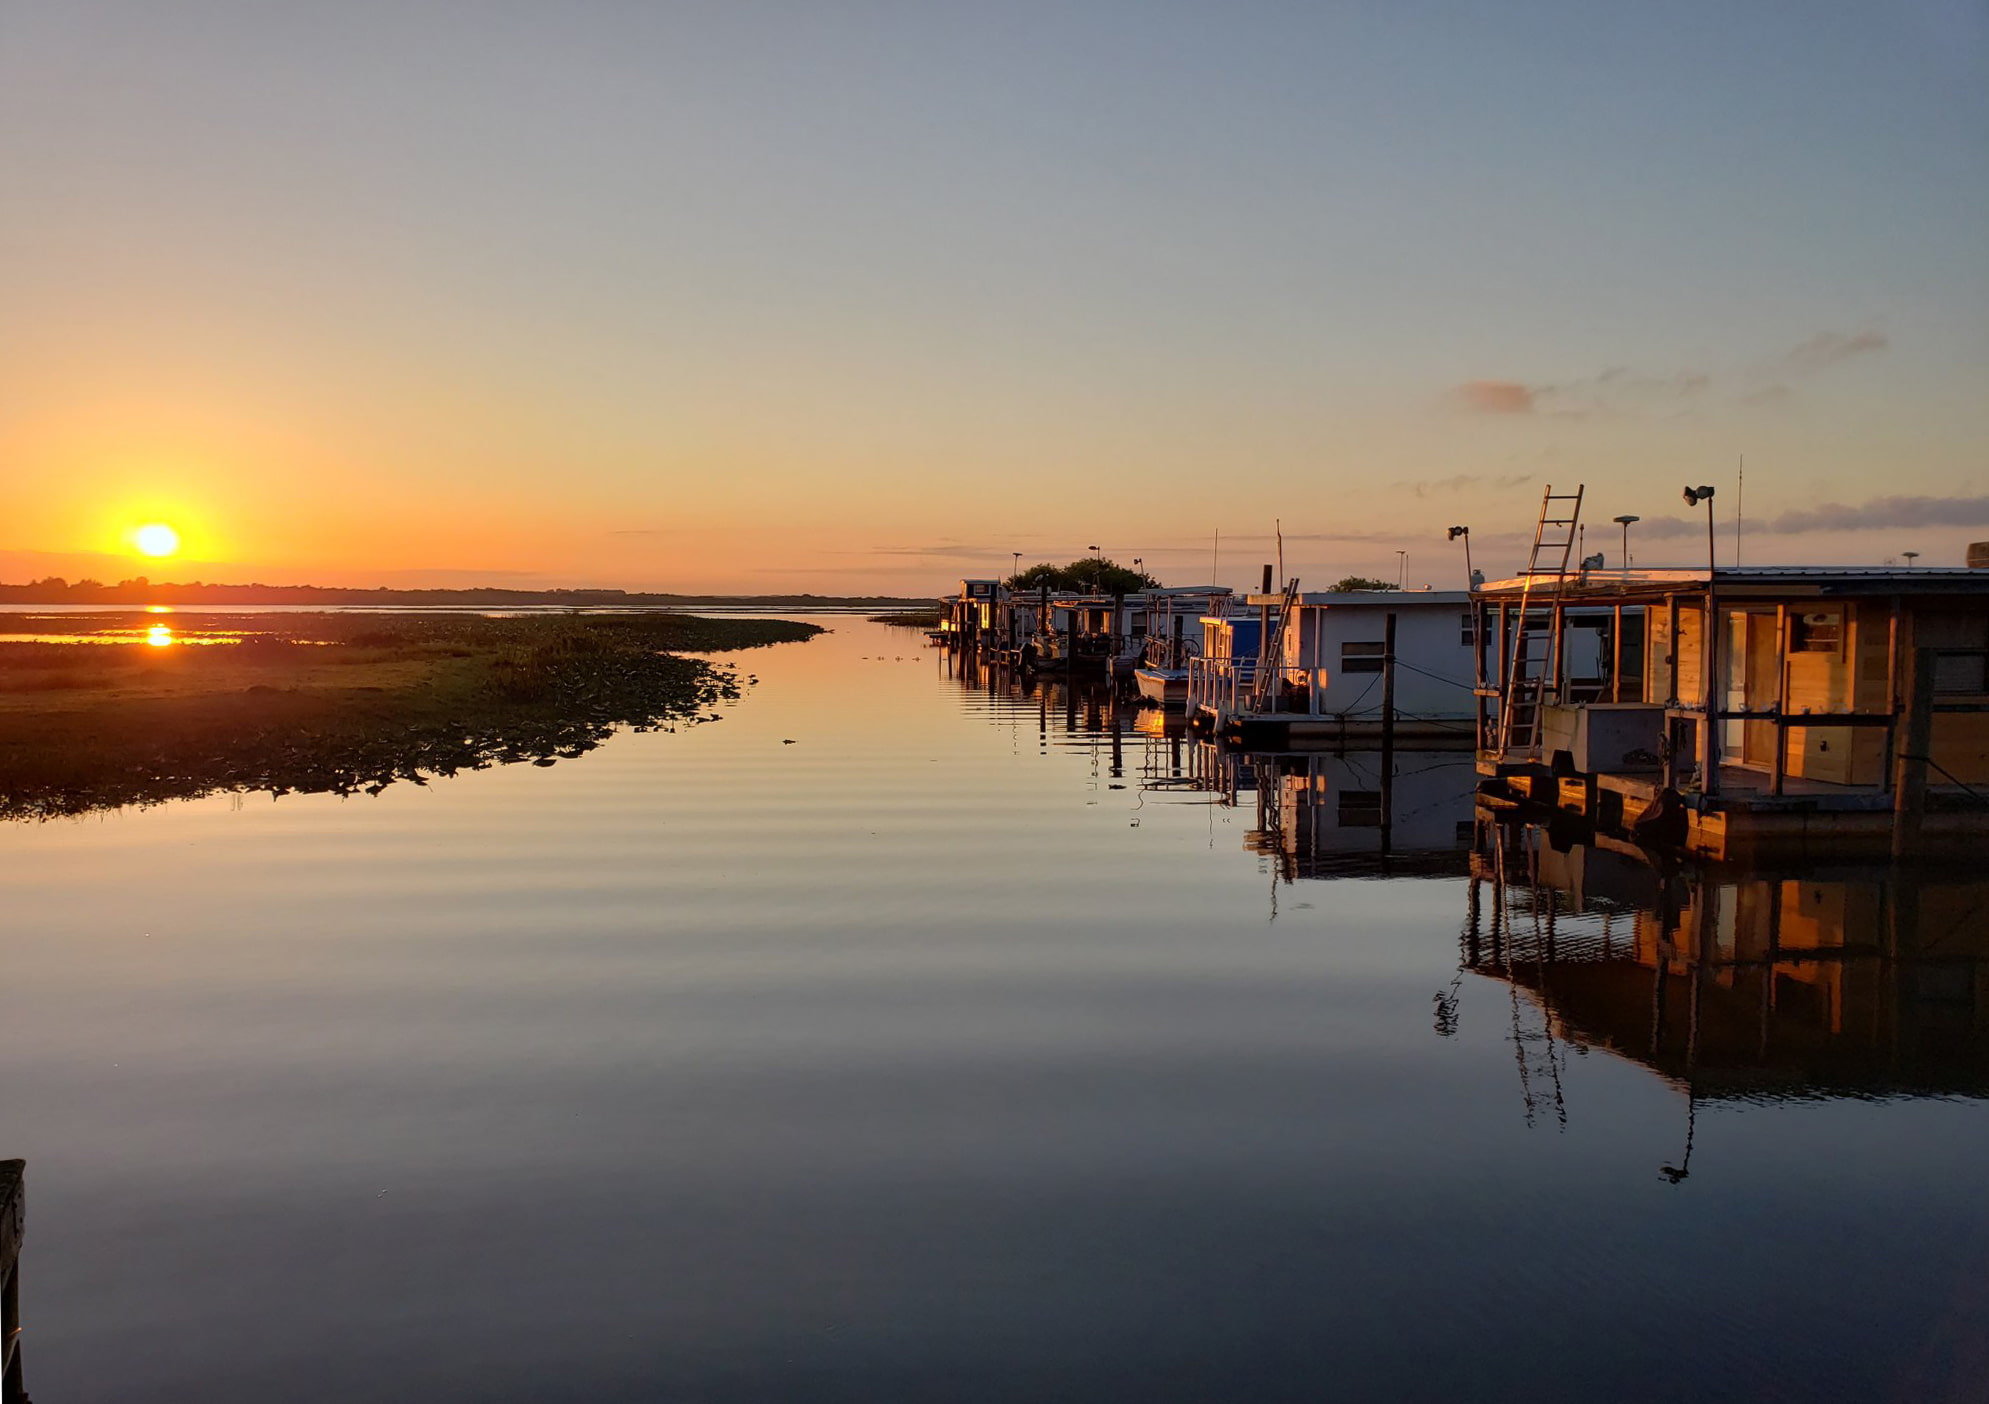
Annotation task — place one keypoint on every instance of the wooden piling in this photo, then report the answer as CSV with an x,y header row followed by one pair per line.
x,y
1387,733
13,1221
1909,784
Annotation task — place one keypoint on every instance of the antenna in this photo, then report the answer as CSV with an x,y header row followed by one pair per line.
x,y
1739,507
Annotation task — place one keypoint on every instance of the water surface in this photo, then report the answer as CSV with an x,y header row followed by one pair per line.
x,y
890,1040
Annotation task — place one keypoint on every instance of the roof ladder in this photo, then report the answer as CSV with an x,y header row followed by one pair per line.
x,y
1533,667
1271,651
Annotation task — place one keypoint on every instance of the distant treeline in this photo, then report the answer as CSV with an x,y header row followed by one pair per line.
x,y
54,590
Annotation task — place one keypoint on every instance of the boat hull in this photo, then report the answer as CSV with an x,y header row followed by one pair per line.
x,y
1166,686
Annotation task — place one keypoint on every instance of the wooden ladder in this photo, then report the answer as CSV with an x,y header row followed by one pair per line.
x,y
1272,648
1533,666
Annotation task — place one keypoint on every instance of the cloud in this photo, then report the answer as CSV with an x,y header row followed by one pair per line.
x,y
1828,348
1881,513
1776,394
952,550
1624,390
1494,397
1461,482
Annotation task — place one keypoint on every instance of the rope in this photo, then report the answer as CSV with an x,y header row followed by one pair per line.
x,y
1953,778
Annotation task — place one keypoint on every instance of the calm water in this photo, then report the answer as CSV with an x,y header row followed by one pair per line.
x,y
926,1058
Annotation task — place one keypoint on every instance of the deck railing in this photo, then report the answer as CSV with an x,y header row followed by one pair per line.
x,y
1228,687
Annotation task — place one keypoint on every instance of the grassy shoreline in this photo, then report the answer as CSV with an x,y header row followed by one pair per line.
x,y
909,619
336,703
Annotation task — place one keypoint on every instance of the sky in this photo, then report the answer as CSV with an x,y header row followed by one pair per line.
x,y
863,297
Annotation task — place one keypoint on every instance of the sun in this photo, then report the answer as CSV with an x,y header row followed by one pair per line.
x,y
156,539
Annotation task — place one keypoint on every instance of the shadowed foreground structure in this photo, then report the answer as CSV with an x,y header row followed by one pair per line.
x,y
12,1221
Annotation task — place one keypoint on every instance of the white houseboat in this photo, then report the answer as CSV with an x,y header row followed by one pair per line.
x,y
1322,680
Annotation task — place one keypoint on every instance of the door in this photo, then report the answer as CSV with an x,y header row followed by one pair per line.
x,y
1753,684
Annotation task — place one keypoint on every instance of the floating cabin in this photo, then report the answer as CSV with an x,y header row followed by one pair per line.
x,y
1058,629
1835,707
1858,981
1328,656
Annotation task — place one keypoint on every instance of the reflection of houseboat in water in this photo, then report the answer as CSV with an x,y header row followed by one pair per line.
x,y
1329,814
1858,983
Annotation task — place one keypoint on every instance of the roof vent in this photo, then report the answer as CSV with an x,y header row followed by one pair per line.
x,y
1978,555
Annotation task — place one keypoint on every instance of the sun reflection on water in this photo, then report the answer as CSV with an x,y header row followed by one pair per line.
x,y
159,636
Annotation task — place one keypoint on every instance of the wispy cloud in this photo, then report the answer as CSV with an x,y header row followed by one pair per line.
x,y
1494,397
1828,348
1881,513
1622,390
1464,482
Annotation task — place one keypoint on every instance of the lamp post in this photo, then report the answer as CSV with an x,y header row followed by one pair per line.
x,y
1015,573
1470,580
1401,568
1709,651
1624,522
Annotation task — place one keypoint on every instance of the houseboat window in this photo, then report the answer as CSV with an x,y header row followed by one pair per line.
x,y
1964,672
1362,657
1468,638
1360,809
1821,631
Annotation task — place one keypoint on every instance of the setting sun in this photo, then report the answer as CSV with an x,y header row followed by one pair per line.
x,y
157,539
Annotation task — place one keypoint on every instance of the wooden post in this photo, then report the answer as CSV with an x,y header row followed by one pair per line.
x,y
1781,762
12,1221
1478,670
1388,733
1616,662
1909,785
1709,696
1895,640
1671,650
1259,682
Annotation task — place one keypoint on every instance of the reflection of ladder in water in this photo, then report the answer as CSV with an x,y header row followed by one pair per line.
x,y
1534,662
1536,1051
1271,650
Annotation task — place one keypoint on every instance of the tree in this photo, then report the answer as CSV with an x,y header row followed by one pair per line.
x,y
1361,582
1095,574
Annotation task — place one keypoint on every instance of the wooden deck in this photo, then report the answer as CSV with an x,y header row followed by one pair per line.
x,y
1745,822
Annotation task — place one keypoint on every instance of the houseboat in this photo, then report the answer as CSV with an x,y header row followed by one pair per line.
x,y
1170,631
1322,680
970,616
1745,712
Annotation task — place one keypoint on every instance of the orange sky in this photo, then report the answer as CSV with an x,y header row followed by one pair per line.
x,y
692,300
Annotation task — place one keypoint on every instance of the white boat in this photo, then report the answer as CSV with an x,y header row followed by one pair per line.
x,y
1162,676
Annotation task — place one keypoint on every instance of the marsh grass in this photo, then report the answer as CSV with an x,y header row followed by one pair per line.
x,y
330,703
909,619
